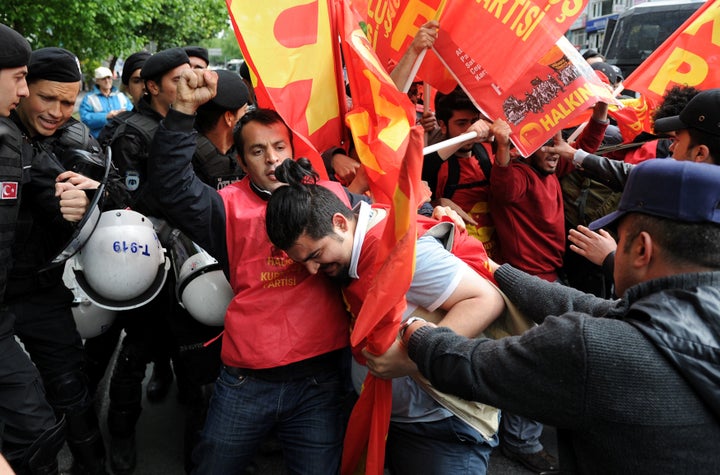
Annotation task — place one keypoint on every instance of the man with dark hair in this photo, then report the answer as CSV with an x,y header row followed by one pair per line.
x,y
315,229
633,384
30,434
283,365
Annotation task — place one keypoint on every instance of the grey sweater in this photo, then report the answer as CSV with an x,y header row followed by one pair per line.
x,y
619,395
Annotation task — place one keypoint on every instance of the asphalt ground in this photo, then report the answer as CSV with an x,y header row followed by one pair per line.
x,y
160,441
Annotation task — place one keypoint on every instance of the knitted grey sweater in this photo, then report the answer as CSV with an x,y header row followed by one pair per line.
x,y
623,400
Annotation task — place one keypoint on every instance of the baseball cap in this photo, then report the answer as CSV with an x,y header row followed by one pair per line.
x,y
679,190
607,70
102,72
702,113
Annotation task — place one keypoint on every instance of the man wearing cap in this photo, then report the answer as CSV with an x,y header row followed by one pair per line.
x,y
30,435
199,57
696,130
102,103
145,327
38,296
633,385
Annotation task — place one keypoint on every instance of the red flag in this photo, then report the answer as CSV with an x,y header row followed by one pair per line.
x,y
291,48
390,149
689,57
548,97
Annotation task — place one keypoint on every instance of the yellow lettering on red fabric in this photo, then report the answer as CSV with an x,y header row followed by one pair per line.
x,y
681,67
413,16
711,15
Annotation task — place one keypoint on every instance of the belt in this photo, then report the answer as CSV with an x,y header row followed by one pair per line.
x,y
293,371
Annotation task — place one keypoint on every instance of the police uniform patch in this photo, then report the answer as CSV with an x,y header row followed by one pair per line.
x,y
9,190
132,180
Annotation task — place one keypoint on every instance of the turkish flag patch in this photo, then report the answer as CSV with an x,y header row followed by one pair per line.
x,y
9,190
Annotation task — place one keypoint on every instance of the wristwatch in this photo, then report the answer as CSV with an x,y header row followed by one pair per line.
x,y
404,327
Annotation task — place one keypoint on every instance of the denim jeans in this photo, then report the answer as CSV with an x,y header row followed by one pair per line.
x,y
447,446
306,415
520,434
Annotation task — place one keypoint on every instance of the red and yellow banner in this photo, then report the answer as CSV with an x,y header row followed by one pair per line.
x,y
477,38
291,48
390,149
548,97
689,57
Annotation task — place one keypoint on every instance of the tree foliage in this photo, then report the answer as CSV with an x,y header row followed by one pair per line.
x,y
99,30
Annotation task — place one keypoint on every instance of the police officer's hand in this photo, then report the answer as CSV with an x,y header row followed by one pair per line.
x,y
73,201
81,182
195,88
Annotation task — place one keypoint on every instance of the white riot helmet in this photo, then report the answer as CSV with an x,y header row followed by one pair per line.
x,y
201,286
122,265
90,319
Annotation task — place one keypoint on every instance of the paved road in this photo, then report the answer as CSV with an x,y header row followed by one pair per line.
x,y
160,434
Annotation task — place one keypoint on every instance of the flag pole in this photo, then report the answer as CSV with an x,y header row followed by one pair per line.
x,y
449,142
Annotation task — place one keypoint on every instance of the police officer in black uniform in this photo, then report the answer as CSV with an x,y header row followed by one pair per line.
x,y
146,327
30,434
61,148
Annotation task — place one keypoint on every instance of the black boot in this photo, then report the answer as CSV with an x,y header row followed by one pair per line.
x,y
159,384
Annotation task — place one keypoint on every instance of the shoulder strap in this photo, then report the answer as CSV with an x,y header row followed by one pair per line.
x,y
141,123
205,150
453,178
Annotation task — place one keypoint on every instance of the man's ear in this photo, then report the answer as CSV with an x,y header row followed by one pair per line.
x,y
643,250
702,154
340,222
443,127
152,87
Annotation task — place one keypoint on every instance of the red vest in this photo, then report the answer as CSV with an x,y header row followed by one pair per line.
x,y
280,314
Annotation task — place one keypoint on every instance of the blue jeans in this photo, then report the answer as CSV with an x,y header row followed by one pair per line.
x,y
447,446
520,434
306,415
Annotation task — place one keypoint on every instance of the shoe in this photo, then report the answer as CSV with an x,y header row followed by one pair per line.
x,y
160,381
539,462
123,456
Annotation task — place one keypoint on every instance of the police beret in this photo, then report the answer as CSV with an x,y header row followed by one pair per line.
x,y
15,51
133,62
162,62
232,93
198,52
53,64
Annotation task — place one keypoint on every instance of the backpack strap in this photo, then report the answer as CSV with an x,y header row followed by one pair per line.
x,y
453,178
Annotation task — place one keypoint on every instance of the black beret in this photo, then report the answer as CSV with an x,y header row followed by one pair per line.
x,y
162,62
133,62
53,64
245,71
15,51
232,93
198,52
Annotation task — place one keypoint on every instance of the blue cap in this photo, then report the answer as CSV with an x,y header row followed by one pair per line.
x,y
681,191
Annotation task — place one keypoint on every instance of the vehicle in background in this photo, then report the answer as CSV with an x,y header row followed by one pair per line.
x,y
644,27
234,65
